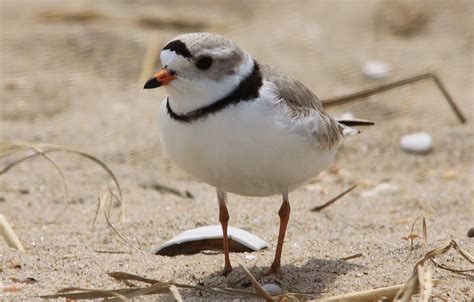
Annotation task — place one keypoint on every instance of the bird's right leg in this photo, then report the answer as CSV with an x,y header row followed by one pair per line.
x,y
224,220
284,214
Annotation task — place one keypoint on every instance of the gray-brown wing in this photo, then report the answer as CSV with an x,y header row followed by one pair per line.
x,y
302,103
295,93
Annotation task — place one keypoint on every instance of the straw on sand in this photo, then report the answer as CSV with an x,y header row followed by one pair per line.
x,y
43,149
7,232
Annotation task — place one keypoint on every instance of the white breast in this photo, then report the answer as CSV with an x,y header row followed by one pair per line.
x,y
251,148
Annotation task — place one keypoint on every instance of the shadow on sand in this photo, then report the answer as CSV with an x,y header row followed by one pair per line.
x,y
313,278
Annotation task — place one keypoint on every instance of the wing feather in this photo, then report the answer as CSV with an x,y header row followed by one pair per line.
x,y
303,103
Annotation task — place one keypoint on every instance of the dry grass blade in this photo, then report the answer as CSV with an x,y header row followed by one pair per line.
x,y
175,294
37,151
47,148
10,237
405,293
410,288
56,166
96,215
167,190
88,293
8,148
453,270
126,277
358,255
426,283
412,236
333,200
157,288
90,157
387,293
153,287
258,288
102,201
432,254
14,163
453,244
462,251
110,252
63,180
121,276
344,99
425,233
122,294
155,284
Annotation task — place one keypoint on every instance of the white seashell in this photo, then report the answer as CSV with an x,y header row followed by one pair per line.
x,y
376,70
208,237
419,143
272,288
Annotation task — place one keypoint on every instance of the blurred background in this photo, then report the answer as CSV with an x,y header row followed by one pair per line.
x,y
72,73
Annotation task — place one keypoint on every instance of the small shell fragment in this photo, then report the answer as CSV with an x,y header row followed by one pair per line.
x,y
381,189
376,70
210,238
272,288
418,143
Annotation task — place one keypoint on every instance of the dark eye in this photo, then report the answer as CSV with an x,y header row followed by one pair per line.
x,y
204,63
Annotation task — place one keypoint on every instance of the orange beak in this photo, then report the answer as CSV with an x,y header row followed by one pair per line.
x,y
161,78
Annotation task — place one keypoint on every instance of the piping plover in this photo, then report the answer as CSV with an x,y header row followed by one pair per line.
x,y
242,126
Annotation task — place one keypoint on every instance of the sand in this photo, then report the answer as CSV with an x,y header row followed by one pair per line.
x,y
76,82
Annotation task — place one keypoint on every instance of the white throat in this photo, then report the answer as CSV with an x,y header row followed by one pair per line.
x,y
186,95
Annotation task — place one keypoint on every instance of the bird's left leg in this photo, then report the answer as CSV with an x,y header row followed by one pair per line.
x,y
224,220
284,214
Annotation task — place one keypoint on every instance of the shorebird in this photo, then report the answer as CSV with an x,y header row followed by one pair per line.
x,y
242,126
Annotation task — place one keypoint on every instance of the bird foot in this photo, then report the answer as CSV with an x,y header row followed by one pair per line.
x,y
227,271
274,270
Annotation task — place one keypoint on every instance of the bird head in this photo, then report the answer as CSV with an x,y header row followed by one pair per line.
x,y
198,69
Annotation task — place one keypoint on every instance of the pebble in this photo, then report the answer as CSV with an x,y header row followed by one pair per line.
x,y
2,198
24,191
250,257
419,143
376,70
272,288
470,233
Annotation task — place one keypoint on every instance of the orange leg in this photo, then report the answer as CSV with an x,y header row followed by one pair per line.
x,y
224,220
284,214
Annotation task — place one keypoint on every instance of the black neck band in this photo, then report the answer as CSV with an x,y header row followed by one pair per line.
x,y
247,90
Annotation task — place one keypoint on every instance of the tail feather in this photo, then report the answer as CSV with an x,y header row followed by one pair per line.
x,y
347,123
354,122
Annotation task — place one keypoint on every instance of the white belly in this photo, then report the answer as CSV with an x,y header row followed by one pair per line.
x,y
247,149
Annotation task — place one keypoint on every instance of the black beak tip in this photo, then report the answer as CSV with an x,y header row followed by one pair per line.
x,y
152,83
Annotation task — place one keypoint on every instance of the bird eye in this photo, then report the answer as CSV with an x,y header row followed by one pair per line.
x,y
204,63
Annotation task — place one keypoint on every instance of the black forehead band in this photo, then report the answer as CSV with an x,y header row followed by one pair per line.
x,y
179,48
